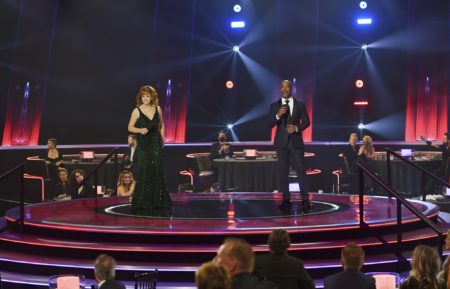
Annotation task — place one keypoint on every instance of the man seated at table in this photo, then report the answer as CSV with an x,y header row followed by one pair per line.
x,y
62,188
350,152
221,148
129,157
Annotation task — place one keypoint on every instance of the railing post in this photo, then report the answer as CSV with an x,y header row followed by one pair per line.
x,y
423,185
96,182
22,199
361,199
399,225
440,244
388,170
116,170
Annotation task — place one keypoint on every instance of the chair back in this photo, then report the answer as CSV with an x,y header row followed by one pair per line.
x,y
345,165
36,167
203,162
146,280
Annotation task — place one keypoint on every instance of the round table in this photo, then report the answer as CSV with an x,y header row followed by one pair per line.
x,y
258,175
404,177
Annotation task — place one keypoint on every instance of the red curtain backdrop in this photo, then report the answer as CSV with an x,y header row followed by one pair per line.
x,y
426,111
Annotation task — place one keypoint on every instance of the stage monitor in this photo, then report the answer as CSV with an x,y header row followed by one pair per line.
x,y
250,153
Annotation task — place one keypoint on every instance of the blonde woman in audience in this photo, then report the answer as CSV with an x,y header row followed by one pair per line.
x,y
125,184
366,149
425,265
444,273
212,276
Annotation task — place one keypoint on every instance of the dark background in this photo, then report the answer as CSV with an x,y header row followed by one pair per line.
x,y
102,51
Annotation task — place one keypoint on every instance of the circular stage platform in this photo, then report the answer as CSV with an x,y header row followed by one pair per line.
x,y
224,214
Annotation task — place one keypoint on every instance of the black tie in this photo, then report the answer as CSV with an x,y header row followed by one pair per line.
x,y
288,112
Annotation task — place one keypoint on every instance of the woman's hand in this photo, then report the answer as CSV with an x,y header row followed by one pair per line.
x,y
143,131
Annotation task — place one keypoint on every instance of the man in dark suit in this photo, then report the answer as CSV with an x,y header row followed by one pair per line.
x,y
221,148
290,118
285,271
238,257
350,152
443,171
130,156
105,272
62,188
352,259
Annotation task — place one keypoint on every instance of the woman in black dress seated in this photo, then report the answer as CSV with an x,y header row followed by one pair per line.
x,y
84,191
53,159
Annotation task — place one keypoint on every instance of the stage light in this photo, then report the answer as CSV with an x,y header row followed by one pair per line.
x,y
359,83
230,126
361,103
236,48
229,84
364,47
364,21
237,24
237,8
363,4
361,126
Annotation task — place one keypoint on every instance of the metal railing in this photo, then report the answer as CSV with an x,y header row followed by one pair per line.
x,y
94,172
400,201
424,172
21,168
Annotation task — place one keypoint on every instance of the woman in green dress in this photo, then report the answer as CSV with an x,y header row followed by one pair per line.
x,y
151,194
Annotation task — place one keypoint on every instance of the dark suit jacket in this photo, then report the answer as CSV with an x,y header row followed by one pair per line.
x,y
112,284
248,281
349,279
61,189
88,191
214,154
351,156
128,163
286,271
299,118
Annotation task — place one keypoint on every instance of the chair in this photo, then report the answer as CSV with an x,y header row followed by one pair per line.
x,y
146,280
205,175
38,184
345,178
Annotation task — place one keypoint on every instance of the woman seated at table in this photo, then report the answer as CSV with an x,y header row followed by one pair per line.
x,y
53,159
85,190
125,184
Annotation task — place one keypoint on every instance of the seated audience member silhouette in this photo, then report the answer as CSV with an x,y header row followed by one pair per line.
x,y
125,184
238,257
130,156
105,273
212,276
285,271
352,259
62,188
83,191
221,148
425,265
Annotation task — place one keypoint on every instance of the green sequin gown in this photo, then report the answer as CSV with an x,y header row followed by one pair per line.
x,y
150,194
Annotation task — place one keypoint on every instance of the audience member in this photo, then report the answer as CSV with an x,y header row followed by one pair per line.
x,y
52,158
285,271
130,156
105,273
425,265
212,276
221,148
350,152
238,257
125,184
352,260
83,191
443,275
62,189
